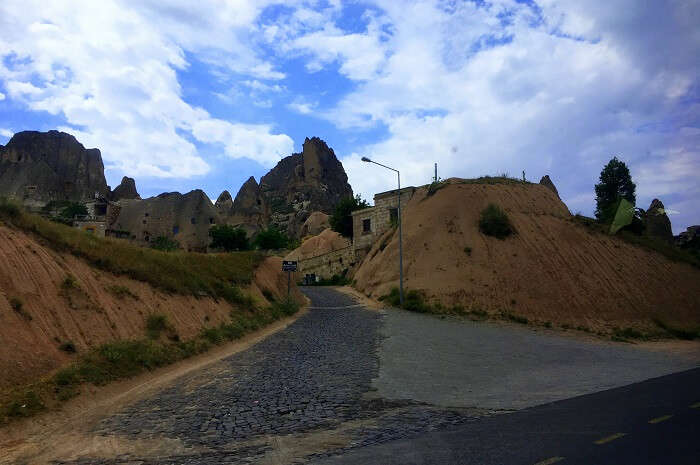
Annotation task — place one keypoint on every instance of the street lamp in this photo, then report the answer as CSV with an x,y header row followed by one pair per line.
x,y
398,174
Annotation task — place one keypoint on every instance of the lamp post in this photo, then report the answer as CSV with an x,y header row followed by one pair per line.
x,y
398,174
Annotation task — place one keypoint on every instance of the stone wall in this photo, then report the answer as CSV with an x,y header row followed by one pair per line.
x,y
329,264
379,217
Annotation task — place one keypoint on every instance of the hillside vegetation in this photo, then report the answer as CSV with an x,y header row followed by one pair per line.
x,y
75,308
554,270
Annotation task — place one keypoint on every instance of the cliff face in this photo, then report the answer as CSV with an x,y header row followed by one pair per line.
x,y
313,180
183,217
658,225
37,167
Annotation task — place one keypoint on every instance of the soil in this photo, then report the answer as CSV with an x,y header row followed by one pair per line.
x,y
552,270
97,308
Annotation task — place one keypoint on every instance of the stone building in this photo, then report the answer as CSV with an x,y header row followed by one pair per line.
x,y
370,223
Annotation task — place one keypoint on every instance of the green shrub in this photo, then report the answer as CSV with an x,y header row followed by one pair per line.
x,y
516,318
18,306
493,221
413,300
435,186
341,219
74,209
9,210
155,324
271,239
121,292
228,238
468,251
627,333
69,282
165,244
68,347
680,333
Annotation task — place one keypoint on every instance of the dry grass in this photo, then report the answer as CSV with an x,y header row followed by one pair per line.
x,y
179,272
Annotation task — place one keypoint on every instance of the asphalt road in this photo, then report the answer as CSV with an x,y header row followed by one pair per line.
x,y
651,422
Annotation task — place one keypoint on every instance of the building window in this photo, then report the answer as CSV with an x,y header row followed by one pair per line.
x,y
211,220
193,220
366,226
176,229
145,214
394,215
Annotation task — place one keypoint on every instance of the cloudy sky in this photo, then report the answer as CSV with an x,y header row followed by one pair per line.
x,y
183,95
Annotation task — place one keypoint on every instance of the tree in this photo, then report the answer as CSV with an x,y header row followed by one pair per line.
x,y
341,220
165,244
228,238
615,184
271,238
73,210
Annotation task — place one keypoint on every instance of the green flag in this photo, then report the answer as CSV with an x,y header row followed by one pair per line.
x,y
623,216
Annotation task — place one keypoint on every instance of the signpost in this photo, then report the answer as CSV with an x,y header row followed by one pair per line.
x,y
289,266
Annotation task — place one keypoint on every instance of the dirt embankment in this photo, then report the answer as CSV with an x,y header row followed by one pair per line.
x,y
552,270
49,298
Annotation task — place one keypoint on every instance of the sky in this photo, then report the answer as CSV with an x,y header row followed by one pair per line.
x,y
183,95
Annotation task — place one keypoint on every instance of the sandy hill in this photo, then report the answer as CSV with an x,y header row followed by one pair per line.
x,y
553,269
323,243
48,297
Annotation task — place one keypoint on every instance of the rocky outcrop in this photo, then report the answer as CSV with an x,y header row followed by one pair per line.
x,y
658,226
224,202
38,167
546,182
315,224
185,218
125,190
313,180
689,239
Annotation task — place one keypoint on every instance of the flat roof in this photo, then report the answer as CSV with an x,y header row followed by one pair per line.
x,y
381,195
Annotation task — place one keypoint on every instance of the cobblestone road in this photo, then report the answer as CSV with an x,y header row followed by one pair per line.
x,y
311,378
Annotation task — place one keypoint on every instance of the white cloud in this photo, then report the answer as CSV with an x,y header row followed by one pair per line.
x,y
301,106
2,96
6,132
557,95
111,71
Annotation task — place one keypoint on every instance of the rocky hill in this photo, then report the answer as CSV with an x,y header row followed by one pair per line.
x,y
302,183
125,190
183,217
38,167
553,269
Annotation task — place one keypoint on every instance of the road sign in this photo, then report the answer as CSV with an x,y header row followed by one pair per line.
x,y
288,265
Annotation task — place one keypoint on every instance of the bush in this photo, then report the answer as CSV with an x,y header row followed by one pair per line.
x,y
155,323
69,282
120,292
680,333
73,210
18,306
493,221
165,244
271,239
228,238
413,300
9,210
68,347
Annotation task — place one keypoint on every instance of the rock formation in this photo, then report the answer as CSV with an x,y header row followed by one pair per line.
x,y
224,202
125,190
313,180
546,182
315,224
658,226
185,218
38,167
689,239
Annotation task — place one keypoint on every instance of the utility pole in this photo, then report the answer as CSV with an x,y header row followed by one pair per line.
x,y
398,174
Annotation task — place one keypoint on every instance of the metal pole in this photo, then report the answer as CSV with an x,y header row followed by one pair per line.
x,y
289,278
400,246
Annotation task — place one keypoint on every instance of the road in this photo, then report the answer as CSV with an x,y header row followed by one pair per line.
x,y
348,384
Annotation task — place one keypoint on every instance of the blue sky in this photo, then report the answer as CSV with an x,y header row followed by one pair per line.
x,y
183,95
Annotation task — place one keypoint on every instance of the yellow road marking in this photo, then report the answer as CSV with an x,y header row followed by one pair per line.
x,y
550,461
660,419
695,405
612,437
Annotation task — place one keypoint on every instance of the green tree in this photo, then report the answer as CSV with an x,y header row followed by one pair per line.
x,y
228,238
165,244
341,219
615,184
271,238
73,210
